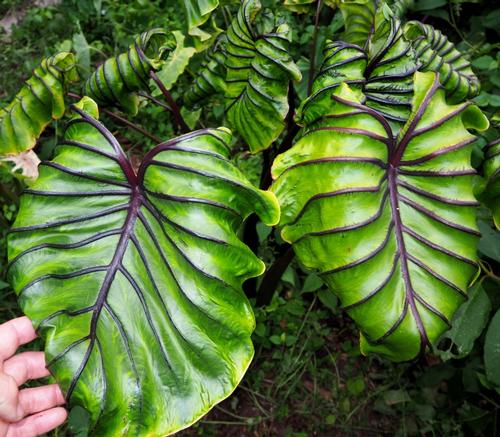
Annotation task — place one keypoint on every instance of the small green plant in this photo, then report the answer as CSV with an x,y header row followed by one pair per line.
x,y
132,268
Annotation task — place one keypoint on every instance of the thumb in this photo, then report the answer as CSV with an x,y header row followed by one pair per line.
x,y
10,408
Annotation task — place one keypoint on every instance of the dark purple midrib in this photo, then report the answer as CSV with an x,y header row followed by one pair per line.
x,y
136,199
398,229
396,153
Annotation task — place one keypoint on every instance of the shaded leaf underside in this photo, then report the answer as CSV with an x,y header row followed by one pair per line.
x,y
134,281
390,223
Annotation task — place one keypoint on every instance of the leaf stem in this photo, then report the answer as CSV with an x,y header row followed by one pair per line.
x,y
156,101
123,120
272,277
171,102
312,65
131,125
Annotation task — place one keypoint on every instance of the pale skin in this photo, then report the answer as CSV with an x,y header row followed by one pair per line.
x,y
25,412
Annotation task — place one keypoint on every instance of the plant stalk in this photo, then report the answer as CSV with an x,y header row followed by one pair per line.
x,y
171,102
131,125
122,120
272,277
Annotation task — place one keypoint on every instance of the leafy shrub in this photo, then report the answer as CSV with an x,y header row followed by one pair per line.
x,y
133,272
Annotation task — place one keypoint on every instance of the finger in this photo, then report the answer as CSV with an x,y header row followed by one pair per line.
x,y
25,366
13,334
10,410
38,424
33,400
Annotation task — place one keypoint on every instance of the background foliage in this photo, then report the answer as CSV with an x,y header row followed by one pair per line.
x,y
308,377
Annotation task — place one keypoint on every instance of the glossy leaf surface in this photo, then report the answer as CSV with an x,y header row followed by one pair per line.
x,y
134,279
40,101
492,173
390,223
117,81
259,69
436,53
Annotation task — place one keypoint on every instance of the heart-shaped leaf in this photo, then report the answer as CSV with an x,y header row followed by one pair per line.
x,y
390,223
134,279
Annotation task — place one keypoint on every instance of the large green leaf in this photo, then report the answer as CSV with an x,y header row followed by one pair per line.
x,y
390,223
259,68
133,279
39,101
117,81
436,53
492,173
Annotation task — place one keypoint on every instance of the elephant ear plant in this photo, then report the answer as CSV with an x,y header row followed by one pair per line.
x,y
134,277
132,273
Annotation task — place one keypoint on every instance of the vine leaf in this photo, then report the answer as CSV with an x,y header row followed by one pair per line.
x,y
259,68
468,324
492,173
35,106
176,62
436,53
389,222
134,279
197,13
117,81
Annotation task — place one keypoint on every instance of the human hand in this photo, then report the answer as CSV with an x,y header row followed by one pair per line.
x,y
31,411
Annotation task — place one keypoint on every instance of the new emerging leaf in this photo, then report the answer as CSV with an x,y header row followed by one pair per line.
x,y
133,279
